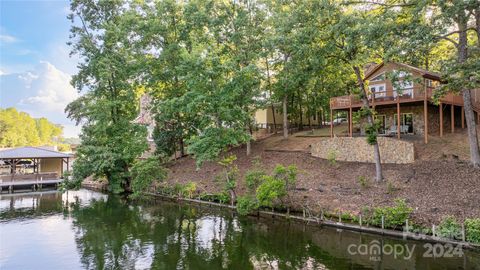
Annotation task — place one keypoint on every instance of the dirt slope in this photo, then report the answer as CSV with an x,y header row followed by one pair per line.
x,y
435,188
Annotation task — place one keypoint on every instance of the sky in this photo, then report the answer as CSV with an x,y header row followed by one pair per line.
x,y
35,66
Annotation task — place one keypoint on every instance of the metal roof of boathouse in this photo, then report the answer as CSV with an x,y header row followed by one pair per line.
x,y
31,152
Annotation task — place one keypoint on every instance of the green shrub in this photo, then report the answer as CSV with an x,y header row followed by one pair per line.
x,y
472,230
364,183
253,179
449,228
246,205
231,174
221,197
189,189
271,190
69,182
167,190
332,157
393,215
287,174
178,189
347,216
144,173
420,229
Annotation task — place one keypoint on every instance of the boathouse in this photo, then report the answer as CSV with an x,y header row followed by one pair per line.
x,y
32,166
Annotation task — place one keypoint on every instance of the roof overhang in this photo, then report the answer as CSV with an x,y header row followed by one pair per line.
x,y
29,152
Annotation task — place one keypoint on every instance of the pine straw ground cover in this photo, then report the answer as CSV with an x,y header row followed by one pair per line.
x,y
434,189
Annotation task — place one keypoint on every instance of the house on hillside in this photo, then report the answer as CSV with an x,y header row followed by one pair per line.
x,y
408,101
145,117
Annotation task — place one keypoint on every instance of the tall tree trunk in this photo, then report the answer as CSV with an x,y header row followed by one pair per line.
x,y
285,118
249,142
467,100
310,121
270,91
274,120
366,105
300,125
323,117
477,24
182,147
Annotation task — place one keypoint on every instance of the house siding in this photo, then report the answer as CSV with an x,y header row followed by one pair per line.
x,y
389,67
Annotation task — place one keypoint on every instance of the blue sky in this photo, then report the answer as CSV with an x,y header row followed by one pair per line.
x,y
35,66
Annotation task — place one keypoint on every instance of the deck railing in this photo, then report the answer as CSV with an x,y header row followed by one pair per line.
x,y
405,95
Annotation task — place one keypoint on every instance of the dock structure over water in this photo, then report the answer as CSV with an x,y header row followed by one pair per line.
x,y
32,167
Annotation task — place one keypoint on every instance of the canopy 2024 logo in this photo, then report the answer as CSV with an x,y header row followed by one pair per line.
x,y
375,250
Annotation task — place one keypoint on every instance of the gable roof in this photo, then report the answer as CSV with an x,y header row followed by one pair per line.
x,y
31,152
425,73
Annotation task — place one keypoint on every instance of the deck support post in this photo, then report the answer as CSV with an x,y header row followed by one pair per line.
x,y
331,123
425,112
350,122
398,118
452,117
463,118
441,119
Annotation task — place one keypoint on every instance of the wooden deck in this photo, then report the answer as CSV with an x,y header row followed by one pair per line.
x,y
30,182
406,96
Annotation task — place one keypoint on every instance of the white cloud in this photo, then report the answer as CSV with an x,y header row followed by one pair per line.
x,y
7,38
44,91
51,89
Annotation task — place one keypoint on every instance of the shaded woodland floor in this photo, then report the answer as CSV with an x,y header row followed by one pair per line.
x,y
436,185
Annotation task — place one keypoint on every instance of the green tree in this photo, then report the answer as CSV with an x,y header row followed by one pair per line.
x,y
20,129
110,141
354,37
434,24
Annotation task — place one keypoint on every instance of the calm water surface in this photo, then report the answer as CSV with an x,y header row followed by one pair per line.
x,y
90,230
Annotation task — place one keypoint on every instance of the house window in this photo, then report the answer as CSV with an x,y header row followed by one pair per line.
x,y
378,90
403,87
428,82
314,117
406,122
380,77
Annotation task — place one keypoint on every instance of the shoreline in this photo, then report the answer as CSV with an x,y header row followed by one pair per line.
x,y
323,222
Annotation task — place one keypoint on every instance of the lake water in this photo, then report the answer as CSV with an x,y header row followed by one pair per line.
x,y
90,230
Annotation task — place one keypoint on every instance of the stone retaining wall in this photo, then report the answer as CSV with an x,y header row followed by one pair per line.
x,y
357,149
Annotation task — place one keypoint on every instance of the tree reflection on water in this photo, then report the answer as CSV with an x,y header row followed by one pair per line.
x,y
111,232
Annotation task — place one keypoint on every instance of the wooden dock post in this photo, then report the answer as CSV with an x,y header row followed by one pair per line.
x,y
425,113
